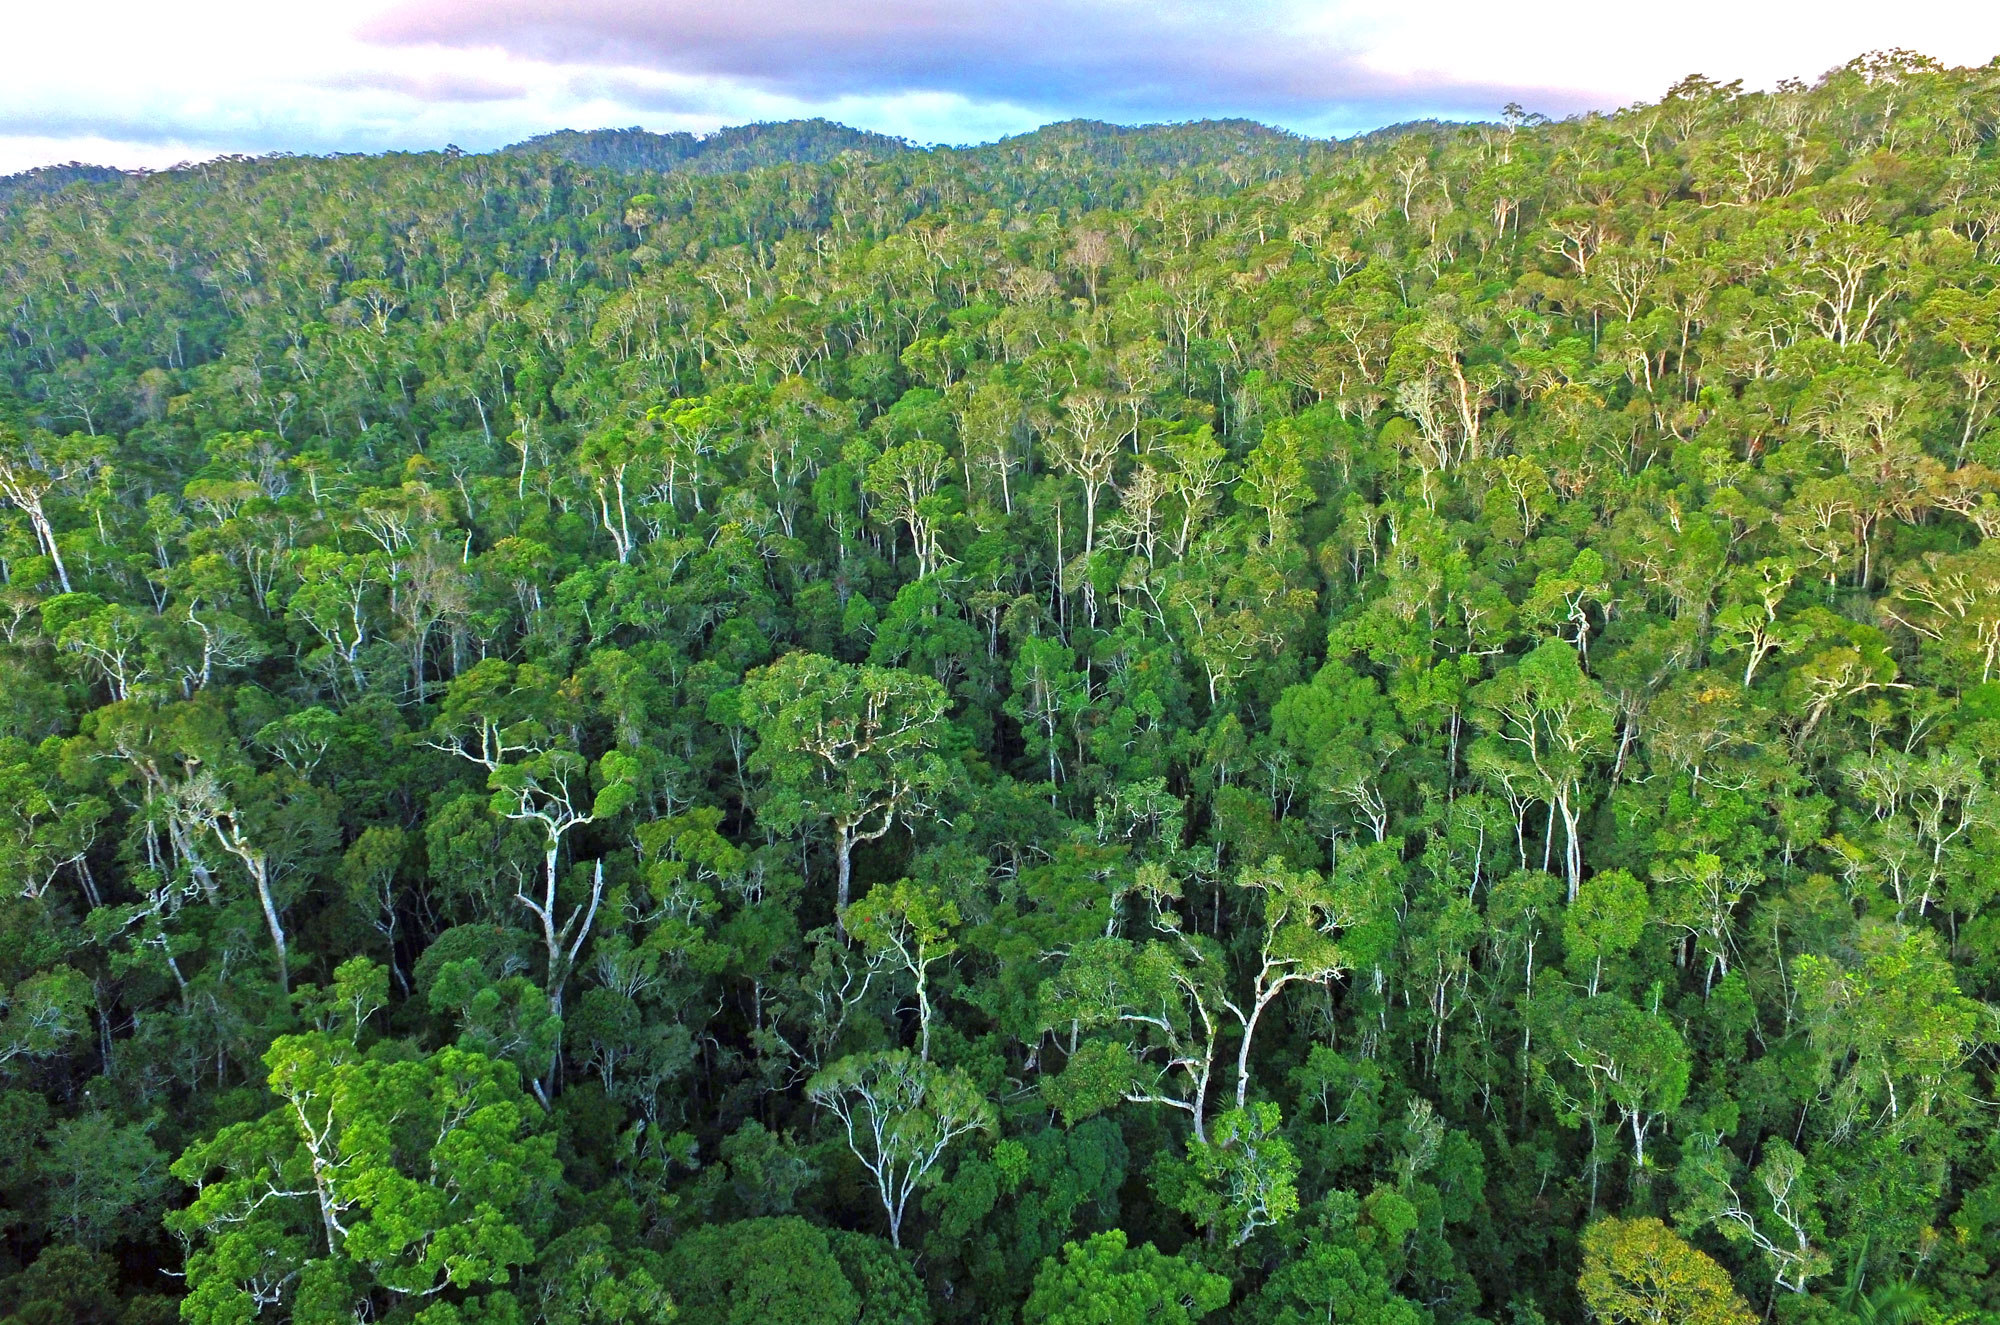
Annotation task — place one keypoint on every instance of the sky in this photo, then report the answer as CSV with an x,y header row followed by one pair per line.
x,y
140,83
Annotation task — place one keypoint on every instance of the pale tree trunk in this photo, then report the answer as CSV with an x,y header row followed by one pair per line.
x,y
1243,1054
48,537
844,877
258,866
262,875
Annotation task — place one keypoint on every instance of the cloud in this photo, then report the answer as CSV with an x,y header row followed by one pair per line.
x,y
1304,62
19,152
1106,56
642,90
429,86
135,82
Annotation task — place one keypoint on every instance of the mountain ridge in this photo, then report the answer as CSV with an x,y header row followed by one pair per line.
x,y
767,143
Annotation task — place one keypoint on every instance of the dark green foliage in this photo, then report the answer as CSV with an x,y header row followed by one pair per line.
x,y
742,147
784,1269
1157,146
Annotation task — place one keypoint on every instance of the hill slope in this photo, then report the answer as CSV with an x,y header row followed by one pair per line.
x,y
1177,146
1403,730
53,179
740,147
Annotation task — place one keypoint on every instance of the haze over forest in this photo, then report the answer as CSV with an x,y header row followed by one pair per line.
x,y
1132,724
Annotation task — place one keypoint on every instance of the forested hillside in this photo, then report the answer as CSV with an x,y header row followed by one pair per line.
x,y
1128,726
744,147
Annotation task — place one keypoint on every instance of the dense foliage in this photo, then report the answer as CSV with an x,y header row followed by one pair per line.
x,y
744,147
1126,727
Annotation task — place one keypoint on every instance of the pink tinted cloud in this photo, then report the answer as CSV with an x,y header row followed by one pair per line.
x,y
1108,56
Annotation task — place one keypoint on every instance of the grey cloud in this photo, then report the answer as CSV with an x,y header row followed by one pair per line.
x,y
1197,57
642,94
430,87
207,133
147,129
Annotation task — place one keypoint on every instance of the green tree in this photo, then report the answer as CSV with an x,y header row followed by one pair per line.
x,y
900,1116
1606,917
105,1179
1547,722
853,747
377,1173
42,1014
762,1270
913,925
1241,1177
1159,1008
1103,1281
1300,915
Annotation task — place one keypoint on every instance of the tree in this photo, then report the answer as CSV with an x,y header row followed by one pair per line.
x,y
1954,600
691,429
1242,1177
1050,694
105,1179
904,482
337,600
72,1285
1785,1226
32,468
1890,1035
42,1014
990,421
1637,1272
913,924
1085,447
1617,1056
606,460
1160,1008
1751,622
1199,469
1103,1281
1345,1269
754,1270
45,827
1089,253
585,1278
368,873
1547,721
554,791
1699,898
495,712
111,641
1345,730
1300,915
203,802
1273,479
377,1173
1606,917
854,747
900,1115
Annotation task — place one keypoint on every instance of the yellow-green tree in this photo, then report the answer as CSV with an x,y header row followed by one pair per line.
x,y
1640,1272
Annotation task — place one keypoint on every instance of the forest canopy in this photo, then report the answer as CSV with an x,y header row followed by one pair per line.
x,y
1133,725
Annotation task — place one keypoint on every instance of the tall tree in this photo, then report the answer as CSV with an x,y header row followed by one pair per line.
x,y
853,747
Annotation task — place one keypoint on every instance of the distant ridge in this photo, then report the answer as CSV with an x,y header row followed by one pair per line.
x,y
1188,143
1076,143
1073,144
53,179
1404,128
741,147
